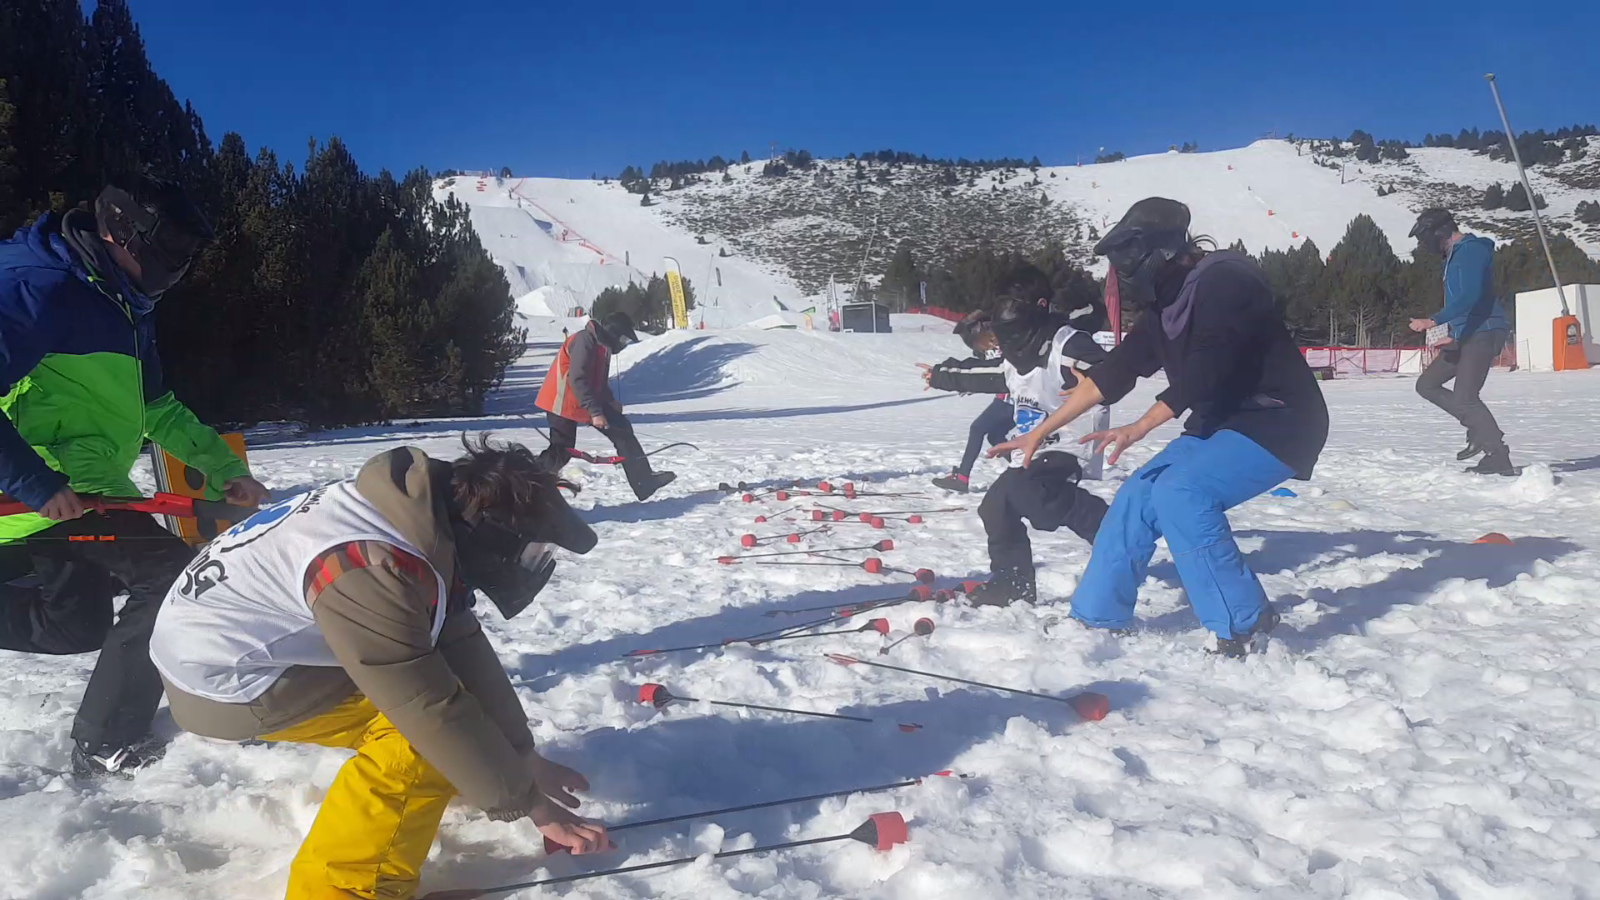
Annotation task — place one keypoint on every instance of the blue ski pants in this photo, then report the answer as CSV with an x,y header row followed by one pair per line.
x,y
1182,493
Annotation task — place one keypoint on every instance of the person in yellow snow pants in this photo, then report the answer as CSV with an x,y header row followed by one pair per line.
x,y
380,815
343,617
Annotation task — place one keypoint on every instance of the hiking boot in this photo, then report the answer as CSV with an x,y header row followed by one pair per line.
x,y
1003,592
1495,462
955,482
646,487
122,762
1472,449
1239,646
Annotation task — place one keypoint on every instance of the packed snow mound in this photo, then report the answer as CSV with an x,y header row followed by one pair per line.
x,y
561,242
826,365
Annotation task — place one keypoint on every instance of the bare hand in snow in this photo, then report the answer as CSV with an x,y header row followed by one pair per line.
x,y
558,782
566,829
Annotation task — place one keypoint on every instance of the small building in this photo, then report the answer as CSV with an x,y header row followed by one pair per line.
x,y
868,318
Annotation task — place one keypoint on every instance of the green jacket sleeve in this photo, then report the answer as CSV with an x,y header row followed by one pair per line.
x,y
171,424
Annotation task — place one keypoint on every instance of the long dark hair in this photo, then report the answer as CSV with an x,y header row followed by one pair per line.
x,y
506,482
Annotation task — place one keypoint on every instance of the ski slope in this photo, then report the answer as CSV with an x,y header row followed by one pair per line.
x,y
1425,723
563,241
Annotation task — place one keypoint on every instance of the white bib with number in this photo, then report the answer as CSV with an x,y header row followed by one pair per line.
x,y
237,616
1039,393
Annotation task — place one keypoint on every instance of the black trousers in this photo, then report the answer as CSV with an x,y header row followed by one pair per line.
x,y
1047,495
992,425
70,611
618,430
1468,363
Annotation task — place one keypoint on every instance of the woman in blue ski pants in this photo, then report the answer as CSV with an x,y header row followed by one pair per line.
x,y
1256,418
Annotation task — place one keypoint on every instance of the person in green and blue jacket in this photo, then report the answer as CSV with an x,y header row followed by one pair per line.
x,y
82,391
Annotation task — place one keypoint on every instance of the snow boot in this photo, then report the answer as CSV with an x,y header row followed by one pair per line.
x,y
1005,587
646,487
1239,646
1495,462
1472,449
955,482
123,762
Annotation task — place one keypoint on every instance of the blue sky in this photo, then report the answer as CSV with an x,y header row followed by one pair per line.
x,y
574,88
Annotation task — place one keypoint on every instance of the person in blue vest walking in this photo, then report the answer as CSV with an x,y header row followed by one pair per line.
x,y
1477,335
1256,418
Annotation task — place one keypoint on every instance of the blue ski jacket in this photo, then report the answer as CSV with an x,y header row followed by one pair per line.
x,y
1470,305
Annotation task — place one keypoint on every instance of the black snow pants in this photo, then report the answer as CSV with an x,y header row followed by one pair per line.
x,y
618,430
70,611
1047,495
1468,363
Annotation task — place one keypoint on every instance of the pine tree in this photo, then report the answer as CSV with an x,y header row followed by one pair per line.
x,y
1494,197
1363,274
902,278
10,203
744,157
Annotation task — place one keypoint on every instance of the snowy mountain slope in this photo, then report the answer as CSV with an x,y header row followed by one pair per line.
x,y
562,242
1423,725
787,236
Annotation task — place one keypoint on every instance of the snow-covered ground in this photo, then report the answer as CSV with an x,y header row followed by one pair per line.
x,y
1425,724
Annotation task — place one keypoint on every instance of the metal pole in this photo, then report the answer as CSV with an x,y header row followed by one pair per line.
x,y
1538,221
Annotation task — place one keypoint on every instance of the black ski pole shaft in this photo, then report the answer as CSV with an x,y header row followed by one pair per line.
x,y
879,546
879,625
638,653
667,820
471,893
844,612
1087,704
779,709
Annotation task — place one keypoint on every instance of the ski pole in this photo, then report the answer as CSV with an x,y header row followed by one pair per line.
x,y
637,653
881,831
920,593
872,565
882,546
762,519
922,628
881,626
1089,705
866,518
865,605
793,537
658,696
553,847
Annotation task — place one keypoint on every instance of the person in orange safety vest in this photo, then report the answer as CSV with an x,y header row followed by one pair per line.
x,y
577,391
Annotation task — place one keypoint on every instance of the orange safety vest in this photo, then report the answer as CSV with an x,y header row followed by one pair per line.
x,y
556,395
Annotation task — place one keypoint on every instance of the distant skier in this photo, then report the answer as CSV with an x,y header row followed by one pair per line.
x,y
343,618
994,423
1477,335
83,390
1041,357
577,391
1256,418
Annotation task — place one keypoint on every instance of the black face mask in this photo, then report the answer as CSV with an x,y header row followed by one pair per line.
x,y
512,565
506,566
1139,269
163,249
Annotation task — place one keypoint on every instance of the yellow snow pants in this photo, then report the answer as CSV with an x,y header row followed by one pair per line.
x,y
381,813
